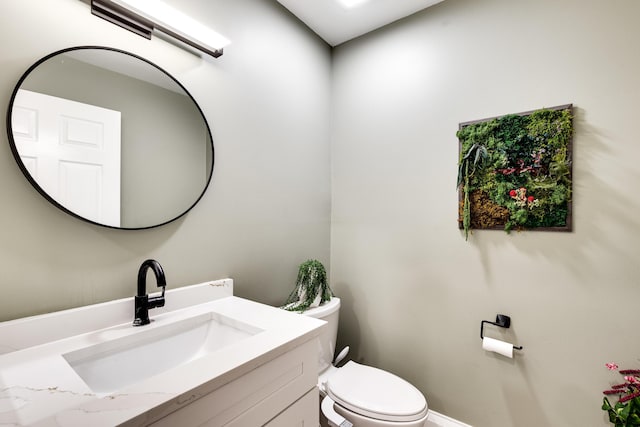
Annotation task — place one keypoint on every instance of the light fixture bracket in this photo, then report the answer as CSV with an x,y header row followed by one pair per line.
x,y
122,17
116,13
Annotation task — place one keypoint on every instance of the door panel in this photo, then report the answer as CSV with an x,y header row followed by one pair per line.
x,y
73,150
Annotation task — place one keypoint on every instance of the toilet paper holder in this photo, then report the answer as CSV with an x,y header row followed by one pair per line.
x,y
502,321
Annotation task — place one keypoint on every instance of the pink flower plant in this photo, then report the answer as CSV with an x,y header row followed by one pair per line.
x,y
626,412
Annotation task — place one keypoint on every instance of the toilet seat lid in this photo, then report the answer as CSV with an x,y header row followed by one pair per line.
x,y
375,393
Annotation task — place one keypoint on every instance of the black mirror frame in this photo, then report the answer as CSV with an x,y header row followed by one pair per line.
x,y
33,182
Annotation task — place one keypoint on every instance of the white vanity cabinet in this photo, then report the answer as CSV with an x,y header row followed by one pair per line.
x,y
281,392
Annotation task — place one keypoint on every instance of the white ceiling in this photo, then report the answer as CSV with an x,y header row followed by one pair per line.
x,y
337,23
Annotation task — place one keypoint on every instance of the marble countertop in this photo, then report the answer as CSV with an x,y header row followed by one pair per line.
x,y
39,388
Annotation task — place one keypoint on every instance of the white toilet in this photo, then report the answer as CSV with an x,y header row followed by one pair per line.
x,y
360,395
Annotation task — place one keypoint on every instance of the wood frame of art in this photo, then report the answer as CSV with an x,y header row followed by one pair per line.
x,y
515,171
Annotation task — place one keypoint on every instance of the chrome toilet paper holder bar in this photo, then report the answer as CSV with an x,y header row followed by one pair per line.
x,y
502,321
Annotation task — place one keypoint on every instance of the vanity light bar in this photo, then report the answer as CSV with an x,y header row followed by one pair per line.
x,y
348,4
143,16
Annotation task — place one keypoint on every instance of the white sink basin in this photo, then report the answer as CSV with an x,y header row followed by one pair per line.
x,y
114,364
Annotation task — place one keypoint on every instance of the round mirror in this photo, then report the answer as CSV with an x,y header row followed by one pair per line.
x,y
110,138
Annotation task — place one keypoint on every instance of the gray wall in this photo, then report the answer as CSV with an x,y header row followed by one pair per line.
x,y
268,206
414,291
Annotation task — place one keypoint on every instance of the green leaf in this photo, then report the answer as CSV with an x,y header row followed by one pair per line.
x,y
625,411
635,418
470,151
477,156
459,181
606,406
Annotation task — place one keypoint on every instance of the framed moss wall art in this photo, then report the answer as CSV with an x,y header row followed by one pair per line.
x,y
515,171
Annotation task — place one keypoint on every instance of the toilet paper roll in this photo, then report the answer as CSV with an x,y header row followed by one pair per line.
x,y
497,346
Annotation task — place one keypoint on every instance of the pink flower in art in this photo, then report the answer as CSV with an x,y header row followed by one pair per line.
x,y
611,366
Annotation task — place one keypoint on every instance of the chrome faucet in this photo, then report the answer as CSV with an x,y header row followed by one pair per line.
x,y
144,302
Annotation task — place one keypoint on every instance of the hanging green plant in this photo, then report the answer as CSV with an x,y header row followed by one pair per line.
x,y
474,160
514,171
312,288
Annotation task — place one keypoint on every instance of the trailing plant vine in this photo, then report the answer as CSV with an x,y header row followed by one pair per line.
x,y
473,161
514,171
312,288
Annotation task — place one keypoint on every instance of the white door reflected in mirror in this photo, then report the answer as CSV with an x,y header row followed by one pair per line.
x,y
73,150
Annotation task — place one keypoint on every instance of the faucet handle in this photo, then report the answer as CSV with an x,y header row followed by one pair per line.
x,y
156,301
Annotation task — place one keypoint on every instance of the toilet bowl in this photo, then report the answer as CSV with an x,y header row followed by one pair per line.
x,y
361,395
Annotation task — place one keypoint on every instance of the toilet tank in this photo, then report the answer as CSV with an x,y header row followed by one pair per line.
x,y
330,313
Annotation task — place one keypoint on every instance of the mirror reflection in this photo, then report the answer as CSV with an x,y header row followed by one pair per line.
x,y
110,138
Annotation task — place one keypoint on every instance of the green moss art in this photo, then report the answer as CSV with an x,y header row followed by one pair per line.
x,y
514,171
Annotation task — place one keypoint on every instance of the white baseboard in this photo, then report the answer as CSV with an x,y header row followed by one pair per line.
x,y
438,420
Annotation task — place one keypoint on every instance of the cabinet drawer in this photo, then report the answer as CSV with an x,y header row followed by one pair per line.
x,y
256,397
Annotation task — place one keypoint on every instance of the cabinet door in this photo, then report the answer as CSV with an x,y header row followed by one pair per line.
x,y
256,397
303,413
